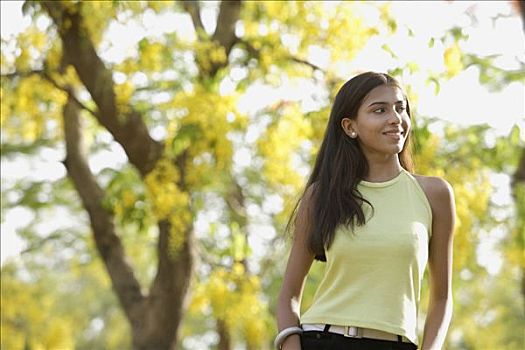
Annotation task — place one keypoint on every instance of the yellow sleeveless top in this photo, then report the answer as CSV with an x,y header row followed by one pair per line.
x,y
373,273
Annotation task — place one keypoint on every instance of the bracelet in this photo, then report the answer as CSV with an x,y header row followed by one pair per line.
x,y
285,333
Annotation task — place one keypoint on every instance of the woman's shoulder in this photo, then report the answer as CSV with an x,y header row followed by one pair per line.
x,y
438,191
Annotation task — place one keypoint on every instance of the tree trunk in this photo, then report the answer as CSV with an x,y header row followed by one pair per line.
x,y
164,308
518,190
518,180
154,317
224,336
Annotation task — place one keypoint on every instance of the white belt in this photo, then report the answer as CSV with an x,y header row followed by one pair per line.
x,y
355,332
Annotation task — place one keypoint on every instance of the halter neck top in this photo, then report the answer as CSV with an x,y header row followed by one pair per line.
x,y
373,273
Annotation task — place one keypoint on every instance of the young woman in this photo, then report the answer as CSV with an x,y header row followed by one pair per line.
x,y
376,225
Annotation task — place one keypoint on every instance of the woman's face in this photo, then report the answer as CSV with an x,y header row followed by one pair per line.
x,y
382,123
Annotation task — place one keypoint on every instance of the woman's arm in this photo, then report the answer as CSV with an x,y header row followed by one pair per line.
x,y
299,262
441,198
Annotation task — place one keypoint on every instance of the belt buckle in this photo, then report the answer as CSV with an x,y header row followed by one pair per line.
x,y
353,332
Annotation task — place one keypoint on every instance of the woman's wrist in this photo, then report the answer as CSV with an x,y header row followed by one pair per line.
x,y
284,334
292,342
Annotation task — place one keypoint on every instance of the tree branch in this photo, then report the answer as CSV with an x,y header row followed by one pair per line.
x,y
225,30
127,128
194,10
53,82
521,7
253,52
308,63
224,34
18,74
70,95
519,175
91,194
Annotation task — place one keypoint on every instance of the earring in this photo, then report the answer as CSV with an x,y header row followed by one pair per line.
x,y
353,134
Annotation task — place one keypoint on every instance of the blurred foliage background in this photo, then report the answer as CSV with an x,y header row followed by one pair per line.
x,y
160,179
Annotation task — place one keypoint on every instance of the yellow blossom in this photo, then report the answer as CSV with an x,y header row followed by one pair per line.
x,y
453,63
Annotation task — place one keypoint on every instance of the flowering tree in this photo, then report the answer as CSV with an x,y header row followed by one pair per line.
x,y
171,107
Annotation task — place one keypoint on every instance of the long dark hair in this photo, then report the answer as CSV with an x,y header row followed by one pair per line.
x,y
340,165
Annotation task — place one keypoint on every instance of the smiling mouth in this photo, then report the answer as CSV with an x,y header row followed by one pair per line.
x,y
394,133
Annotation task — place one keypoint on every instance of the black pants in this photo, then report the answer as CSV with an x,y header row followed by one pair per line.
x,y
319,340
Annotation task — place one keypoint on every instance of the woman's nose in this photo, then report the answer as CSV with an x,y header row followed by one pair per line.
x,y
395,117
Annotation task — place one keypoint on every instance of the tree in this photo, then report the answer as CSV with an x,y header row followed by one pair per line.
x,y
164,177
171,109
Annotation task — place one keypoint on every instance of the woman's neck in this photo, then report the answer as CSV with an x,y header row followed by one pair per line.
x,y
382,171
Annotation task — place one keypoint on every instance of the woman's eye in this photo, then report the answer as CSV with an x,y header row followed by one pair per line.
x,y
401,109
379,110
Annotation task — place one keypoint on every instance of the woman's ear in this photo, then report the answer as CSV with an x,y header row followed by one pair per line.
x,y
348,128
